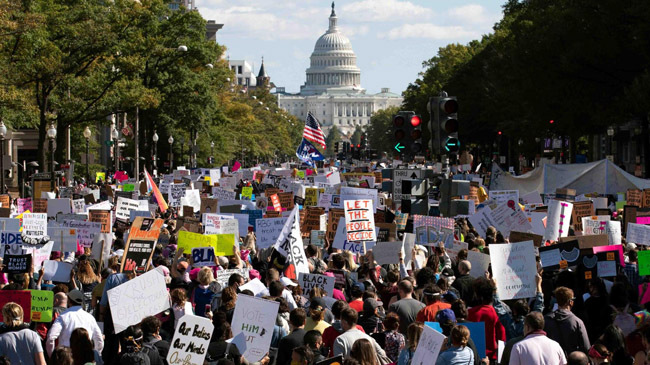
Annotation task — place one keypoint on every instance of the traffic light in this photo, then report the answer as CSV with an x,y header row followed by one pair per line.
x,y
407,133
416,134
399,132
444,111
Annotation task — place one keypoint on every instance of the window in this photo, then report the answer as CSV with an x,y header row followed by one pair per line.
x,y
248,81
239,69
323,112
239,81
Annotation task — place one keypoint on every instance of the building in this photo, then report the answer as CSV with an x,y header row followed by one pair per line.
x,y
176,4
245,75
332,89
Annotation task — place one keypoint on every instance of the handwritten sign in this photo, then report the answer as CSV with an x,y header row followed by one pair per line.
x,y
268,230
252,326
309,281
191,340
103,217
594,225
203,256
42,305
35,225
359,220
514,268
428,347
638,233
581,209
558,220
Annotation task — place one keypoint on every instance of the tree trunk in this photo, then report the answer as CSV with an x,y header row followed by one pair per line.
x,y
42,130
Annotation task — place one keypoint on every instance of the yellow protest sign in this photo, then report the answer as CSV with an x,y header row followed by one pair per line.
x,y
223,244
247,192
311,197
100,176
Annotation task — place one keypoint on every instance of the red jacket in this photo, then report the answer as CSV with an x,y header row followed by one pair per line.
x,y
494,330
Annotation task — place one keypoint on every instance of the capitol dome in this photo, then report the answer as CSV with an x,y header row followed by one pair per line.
x,y
333,64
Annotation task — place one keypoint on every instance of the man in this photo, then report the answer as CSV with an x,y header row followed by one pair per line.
x,y
314,341
432,294
577,358
151,335
563,326
70,320
463,282
356,295
536,348
406,308
343,343
111,349
295,339
336,329
631,267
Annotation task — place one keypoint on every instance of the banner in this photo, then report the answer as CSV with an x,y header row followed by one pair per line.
x,y
290,243
359,220
309,281
191,340
138,298
514,268
252,326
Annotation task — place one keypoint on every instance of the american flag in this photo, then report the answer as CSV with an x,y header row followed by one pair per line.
x,y
312,131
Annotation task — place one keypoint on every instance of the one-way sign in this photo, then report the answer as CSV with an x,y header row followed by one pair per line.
x,y
398,176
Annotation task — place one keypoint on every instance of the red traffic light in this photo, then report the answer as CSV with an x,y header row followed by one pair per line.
x,y
358,146
551,121
499,132
415,121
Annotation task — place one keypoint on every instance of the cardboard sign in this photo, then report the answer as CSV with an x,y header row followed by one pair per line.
x,y
428,347
514,268
286,200
42,305
359,220
522,236
580,210
252,326
103,217
309,281
333,218
138,298
587,242
191,340
17,264
558,220
209,205
137,255
40,205
635,197
21,297
64,238
57,271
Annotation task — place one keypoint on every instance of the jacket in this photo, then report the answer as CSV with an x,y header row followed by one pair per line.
x,y
568,330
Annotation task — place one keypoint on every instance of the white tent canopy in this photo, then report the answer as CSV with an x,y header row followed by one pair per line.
x,y
601,177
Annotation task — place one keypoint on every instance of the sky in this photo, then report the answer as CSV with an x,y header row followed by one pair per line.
x,y
391,38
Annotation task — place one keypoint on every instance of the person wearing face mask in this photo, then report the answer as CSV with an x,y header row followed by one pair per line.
x,y
536,348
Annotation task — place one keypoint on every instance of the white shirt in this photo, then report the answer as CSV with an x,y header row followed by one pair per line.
x,y
67,322
537,349
286,295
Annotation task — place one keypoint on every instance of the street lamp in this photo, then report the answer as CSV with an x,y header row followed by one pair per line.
x,y
115,135
211,153
610,134
182,49
171,153
155,147
3,134
24,171
87,134
51,135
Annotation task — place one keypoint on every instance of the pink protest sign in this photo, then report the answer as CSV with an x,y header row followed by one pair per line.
x,y
610,248
642,220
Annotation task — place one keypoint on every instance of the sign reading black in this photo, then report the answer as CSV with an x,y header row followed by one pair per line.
x,y
17,264
137,255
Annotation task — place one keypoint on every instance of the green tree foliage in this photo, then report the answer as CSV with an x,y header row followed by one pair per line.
x,y
355,139
333,136
380,130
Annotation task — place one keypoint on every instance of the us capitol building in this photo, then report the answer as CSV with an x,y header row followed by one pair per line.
x,y
332,91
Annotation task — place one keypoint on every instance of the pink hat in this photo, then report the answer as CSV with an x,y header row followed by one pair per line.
x,y
329,273
254,274
194,273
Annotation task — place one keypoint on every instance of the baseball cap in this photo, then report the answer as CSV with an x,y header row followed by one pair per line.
x,y
446,316
370,304
76,296
359,285
450,297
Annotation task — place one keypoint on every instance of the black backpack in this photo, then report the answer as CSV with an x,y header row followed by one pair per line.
x,y
135,358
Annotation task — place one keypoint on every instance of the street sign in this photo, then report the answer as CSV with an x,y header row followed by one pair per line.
x,y
398,176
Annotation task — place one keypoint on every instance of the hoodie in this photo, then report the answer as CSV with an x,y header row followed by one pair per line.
x,y
568,330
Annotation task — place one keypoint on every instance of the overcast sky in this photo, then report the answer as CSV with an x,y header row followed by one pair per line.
x,y
391,38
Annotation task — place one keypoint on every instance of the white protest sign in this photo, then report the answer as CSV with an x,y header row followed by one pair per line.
x,y
10,224
268,230
164,187
56,271
224,275
479,261
348,193
143,296
203,256
359,220
428,347
192,198
292,245
86,231
191,340
56,206
532,198
638,233
558,220
481,220
536,220
40,255
309,281
514,268
387,252
78,206
256,286
507,197
453,247
35,225
64,238
594,225
220,193
125,206
613,229
341,242
252,326
176,192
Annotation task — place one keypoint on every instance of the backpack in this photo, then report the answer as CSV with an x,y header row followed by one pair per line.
x,y
624,320
134,358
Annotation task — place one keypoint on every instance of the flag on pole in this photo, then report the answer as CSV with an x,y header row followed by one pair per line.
x,y
307,153
151,185
312,131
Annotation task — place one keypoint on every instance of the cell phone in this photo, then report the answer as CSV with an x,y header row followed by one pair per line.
x,y
208,308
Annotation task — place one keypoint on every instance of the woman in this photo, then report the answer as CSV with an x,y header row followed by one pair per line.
x,y
599,354
228,301
20,344
88,280
180,305
458,353
202,295
315,321
219,348
364,352
393,340
413,333
62,356
82,348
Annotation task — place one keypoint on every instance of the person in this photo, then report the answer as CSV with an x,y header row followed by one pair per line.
x,y
391,340
364,352
406,308
343,343
412,339
228,302
301,356
17,342
295,339
371,319
448,322
180,307
485,312
315,320
151,326
432,295
335,330
219,348
132,350
512,317
82,348
357,294
463,281
71,319
458,353
536,348
314,341
88,280
599,354
565,327
202,294
577,358
61,356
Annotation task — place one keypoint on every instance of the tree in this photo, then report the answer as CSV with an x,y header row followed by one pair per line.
x,y
355,139
332,137
379,130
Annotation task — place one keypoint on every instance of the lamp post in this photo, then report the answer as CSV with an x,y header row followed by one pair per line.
x,y
51,135
87,135
24,172
3,134
115,135
211,153
171,153
155,147
610,134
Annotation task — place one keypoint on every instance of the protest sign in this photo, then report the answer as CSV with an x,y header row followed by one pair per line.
x,y
12,243
103,217
137,298
35,225
209,205
479,261
57,271
523,236
64,238
223,244
223,275
137,255
387,252
428,347
39,205
317,238
481,220
613,229
558,220
514,268
638,233
551,256
78,206
644,262
145,228
10,224
292,243
42,305
510,220
581,209
268,230
612,249
203,256
21,297
309,281
476,333
17,264
176,192
24,205
252,326
125,206
39,255
189,345
453,247
596,224
359,220
508,197
58,206
341,242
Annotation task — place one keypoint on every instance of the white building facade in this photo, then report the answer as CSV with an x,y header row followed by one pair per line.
x,y
332,90
243,72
